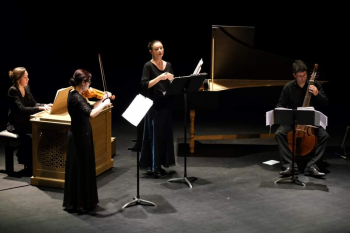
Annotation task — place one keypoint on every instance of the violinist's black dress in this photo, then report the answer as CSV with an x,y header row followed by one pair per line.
x,y
80,191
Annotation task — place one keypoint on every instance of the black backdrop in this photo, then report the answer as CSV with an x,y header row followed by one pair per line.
x,y
52,40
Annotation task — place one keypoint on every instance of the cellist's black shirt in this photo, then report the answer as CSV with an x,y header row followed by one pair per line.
x,y
293,96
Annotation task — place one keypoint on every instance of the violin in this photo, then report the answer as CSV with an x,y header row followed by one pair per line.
x,y
94,93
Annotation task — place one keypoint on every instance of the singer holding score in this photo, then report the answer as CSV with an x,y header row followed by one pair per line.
x,y
157,145
21,105
80,191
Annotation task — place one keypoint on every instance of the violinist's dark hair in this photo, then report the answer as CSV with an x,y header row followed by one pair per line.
x,y
79,76
16,74
298,66
150,44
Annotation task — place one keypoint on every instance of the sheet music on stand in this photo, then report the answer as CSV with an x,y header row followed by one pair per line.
x,y
60,101
322,120
137,109
198,68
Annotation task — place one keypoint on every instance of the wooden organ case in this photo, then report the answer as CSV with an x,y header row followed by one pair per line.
x,y
49,138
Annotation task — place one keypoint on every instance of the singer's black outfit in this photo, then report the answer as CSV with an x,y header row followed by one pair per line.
x,y
80,190
292,97
20,109
157,146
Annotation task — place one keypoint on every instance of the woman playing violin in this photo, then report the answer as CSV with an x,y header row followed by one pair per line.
x,y
80,192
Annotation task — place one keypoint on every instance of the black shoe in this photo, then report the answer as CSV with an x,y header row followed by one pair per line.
x,y
91,212
136,147
312,171
288,172
149,173
71,210
163,172
28,171
156,174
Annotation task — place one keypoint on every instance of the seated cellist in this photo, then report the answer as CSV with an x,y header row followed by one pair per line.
x,y
292,97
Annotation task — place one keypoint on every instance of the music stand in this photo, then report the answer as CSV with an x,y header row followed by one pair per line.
x,y
184,85
300,117
134,109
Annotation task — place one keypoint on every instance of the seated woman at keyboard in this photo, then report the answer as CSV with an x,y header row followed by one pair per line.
x,y
21,106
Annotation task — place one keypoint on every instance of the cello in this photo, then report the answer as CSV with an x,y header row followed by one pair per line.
x,y
305,139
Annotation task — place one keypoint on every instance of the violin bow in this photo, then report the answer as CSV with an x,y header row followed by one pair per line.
x,y
102,74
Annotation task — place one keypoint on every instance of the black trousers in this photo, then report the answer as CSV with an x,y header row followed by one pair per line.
x,y
286,154
24,153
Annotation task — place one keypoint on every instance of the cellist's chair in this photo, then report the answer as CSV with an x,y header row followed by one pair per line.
x,y
12,142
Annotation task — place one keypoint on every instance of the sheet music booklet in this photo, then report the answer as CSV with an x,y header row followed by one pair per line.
x,y
198,68
60,101
137,109
270,116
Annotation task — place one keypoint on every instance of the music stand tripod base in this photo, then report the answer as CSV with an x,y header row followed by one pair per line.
x,y
137,201
342,156
293,179
184,179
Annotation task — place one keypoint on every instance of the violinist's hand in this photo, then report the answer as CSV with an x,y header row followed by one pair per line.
x,y
107,102
107,95
313,89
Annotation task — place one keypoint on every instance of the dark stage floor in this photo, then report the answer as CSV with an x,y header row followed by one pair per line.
x,y
235,190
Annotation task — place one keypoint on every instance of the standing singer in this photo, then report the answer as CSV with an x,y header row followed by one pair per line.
x,y
157,145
